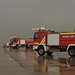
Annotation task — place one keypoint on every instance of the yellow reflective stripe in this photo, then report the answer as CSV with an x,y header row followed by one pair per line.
x,y
43,40
36,42
68,33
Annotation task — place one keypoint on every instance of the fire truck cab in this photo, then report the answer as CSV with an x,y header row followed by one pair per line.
x,y
45,40
16,42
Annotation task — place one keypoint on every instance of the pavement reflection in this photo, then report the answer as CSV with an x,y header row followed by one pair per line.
x,y
44,65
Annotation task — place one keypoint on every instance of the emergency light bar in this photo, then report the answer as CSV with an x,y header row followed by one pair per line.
x,y
12,37
41,28
35,28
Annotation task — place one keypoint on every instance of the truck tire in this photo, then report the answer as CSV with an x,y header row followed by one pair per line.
x,y
49,52
17,46
71,51
31,47
41,51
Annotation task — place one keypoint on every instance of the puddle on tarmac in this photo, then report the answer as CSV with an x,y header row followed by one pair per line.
x,y
54,65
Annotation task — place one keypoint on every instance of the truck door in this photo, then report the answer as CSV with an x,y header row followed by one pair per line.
x,y
39,38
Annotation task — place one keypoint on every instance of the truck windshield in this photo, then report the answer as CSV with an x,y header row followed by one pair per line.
x,y
12,40
36,36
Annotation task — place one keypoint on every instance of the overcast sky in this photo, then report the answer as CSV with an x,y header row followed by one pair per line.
x,y
18,17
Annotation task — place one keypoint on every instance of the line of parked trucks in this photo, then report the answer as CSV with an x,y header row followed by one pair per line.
x,y
45,40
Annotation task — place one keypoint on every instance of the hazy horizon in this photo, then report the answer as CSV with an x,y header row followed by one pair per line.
x,y
18,17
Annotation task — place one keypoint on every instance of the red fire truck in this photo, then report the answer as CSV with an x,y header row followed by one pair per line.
x,y
29,43
45,40
16,42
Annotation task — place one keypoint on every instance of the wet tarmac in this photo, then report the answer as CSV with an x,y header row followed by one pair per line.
x,y
30,63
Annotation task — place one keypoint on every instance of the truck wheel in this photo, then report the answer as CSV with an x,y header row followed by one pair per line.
x,y
41,51
71,51
49,52
31,46
17,46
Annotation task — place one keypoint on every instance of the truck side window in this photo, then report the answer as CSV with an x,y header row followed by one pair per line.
x,y
12,40
36,36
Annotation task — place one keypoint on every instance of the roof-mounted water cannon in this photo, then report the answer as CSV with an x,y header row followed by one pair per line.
x,y
35,28
41,28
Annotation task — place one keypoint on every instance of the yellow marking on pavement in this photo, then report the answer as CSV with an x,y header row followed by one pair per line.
x,y
68,64
31,54
58,63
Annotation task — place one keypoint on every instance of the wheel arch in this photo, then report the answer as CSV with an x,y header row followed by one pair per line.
x,y
30,45
43,46
70,46
71,50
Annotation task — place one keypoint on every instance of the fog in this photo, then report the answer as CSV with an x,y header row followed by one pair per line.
x,y
18,17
